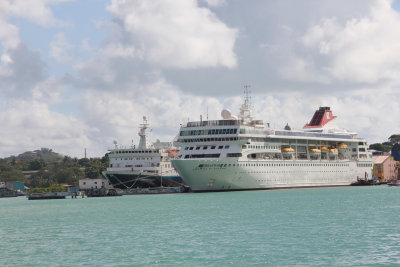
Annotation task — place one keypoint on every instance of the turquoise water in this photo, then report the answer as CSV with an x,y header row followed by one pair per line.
x,y
348,226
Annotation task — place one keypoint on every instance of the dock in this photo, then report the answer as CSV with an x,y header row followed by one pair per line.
x,y
103,192
5,192
50,195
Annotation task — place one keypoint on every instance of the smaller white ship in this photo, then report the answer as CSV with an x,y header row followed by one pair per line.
x,y
145,166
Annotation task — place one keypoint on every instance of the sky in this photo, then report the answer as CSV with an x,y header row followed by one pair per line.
x,y
81,74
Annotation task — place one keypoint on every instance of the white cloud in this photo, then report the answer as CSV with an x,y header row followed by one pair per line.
x,y
59,48
8,35
215,3
118,114
302,70
176,33
23,70
118,50
360,50
49,91
32,125
37,11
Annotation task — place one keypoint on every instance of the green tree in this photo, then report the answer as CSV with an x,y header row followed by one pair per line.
x,y
11,175
394,139
84,162
41,179
37,164
380,147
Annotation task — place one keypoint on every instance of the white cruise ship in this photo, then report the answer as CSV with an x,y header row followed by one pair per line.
x,y
147,165
244,154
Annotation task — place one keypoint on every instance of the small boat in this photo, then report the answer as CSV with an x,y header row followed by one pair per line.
x,y
394,183
324,149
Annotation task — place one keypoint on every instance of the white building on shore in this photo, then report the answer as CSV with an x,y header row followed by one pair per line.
x,y
88,183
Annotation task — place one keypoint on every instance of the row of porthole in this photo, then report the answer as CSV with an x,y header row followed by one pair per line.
x,y
206,147
277,165
326,179
134,158
293,165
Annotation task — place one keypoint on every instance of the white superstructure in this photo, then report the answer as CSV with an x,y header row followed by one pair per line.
x,y
149,163
243,153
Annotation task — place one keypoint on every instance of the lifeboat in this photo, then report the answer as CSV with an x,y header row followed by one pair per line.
x,y
287,151
173,151
314,152
342,147
324,149
333,152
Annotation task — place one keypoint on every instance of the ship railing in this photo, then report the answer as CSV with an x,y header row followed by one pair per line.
x,y
131,150
299,159
134,168
255,131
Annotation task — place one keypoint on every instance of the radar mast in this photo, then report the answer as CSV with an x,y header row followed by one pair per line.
x,y
245,109
142,133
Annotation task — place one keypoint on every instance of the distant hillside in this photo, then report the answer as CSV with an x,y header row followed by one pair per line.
x,y
45,154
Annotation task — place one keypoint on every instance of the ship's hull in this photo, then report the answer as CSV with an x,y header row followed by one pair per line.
x,y
228,174
128,180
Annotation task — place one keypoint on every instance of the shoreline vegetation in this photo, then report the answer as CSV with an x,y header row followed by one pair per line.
x,y
43,169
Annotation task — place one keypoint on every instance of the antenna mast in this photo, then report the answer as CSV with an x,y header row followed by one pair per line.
x,y
142,133
245,109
